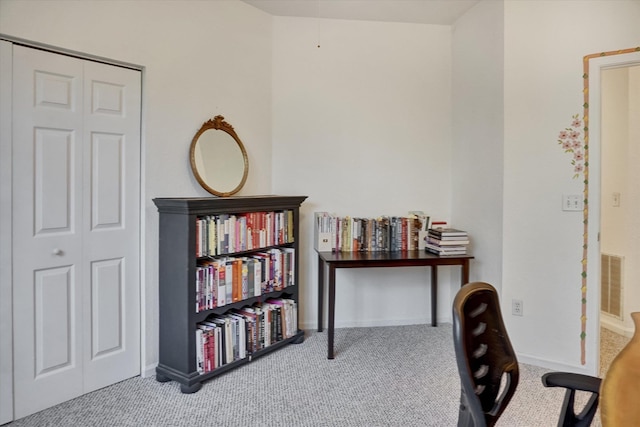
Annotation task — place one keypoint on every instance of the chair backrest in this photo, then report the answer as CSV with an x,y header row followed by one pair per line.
x,y
487,364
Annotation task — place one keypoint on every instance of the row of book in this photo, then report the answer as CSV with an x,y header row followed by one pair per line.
x,y
239,333
447,241
385,233
223,234
226,280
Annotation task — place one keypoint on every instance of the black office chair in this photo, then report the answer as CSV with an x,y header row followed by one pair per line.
x,y
488,366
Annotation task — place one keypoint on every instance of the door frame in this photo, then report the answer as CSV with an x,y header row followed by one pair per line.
x,y
6,291
593,106
6,283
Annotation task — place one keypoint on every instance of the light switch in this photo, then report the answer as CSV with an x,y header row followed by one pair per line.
x,y
616,200
572,202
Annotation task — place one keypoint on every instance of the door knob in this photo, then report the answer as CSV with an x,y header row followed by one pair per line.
x,y
57,251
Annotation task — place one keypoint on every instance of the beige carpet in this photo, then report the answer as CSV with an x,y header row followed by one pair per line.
x,y
610,345
381,377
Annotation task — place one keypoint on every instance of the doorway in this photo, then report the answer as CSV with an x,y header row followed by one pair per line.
x,y
602,193
620,202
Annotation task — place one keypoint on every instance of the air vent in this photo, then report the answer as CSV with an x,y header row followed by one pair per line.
x,y
611,268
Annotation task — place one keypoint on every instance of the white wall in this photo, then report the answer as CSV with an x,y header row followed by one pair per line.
x,y
201,59
362,125
544,46
478,135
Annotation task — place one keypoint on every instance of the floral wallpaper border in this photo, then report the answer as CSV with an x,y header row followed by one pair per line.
x,y
571,142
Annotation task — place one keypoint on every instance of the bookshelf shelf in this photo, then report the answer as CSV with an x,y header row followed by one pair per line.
x,y
180,352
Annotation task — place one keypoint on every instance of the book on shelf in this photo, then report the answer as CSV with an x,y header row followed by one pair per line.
x,y
239,337
275,326
206,292
253,277
276,257
290,226
244,278
229,277
259,326
450,248
447,232
264,324
438,224
206,347
222,283
289,257
252,316
236,280
199,351
257,277
446,242
231,231
423,219
224,323
251,336
446,253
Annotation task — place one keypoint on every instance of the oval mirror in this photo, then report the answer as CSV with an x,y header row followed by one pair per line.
x,y
218,158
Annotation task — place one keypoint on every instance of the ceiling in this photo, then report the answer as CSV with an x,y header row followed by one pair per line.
x,y
439,12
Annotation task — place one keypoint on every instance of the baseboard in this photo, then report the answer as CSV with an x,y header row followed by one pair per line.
x,y
552,365
375,323
149,371
615,325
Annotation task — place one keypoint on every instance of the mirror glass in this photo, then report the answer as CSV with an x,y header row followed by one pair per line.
x,y
218,158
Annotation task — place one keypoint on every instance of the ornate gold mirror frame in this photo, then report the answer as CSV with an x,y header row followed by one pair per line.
x,y
218,158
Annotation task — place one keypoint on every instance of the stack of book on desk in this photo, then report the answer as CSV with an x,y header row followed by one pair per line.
x,y
447,241
359,234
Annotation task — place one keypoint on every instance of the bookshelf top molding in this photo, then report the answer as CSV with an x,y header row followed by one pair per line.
x,y
208,205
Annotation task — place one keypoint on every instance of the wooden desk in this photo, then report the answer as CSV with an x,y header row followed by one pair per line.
x,y
415,258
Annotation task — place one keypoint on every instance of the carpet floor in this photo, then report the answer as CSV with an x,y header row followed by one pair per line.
x,y
381,376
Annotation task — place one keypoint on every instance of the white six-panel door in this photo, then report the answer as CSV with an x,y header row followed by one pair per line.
x,y
76,232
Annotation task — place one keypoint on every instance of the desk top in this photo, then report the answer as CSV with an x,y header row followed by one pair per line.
x,y
385,258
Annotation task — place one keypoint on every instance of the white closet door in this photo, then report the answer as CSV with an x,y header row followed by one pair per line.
x,y
76,239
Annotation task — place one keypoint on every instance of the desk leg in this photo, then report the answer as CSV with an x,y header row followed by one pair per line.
x,y
332,309
320,292
434,295
465,272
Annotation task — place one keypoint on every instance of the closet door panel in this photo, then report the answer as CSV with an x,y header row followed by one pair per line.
x,y
112,98
47,229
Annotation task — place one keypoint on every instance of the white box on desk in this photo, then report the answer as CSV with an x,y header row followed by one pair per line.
x,y
323,242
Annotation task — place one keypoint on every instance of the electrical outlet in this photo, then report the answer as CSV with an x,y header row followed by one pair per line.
x,y
516,307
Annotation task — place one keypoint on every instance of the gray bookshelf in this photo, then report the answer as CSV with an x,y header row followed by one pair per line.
x,y
177,272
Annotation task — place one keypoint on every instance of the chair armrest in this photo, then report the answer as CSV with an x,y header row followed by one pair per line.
x,y
572,381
